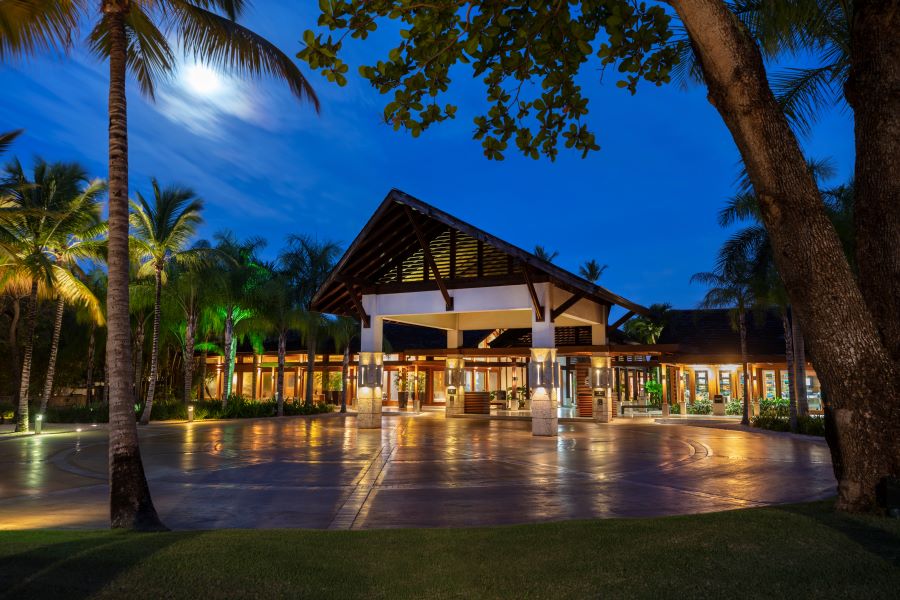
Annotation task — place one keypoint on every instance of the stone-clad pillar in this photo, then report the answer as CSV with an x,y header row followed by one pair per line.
x,y
601,381
544,379
369,376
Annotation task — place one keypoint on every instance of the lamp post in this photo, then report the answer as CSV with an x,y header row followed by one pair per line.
x,y
369,385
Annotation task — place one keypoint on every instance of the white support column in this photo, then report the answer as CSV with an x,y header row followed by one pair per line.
x,y
369,379
454,377
454,339
544,398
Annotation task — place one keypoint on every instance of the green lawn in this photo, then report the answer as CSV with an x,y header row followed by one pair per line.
x,y
794,551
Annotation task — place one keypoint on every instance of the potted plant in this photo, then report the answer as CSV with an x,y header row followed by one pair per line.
x,y
402,382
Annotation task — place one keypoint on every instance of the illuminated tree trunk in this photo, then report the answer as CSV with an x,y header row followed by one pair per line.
x,y
22,415
310,364
92,341
345,378
789,359
855,365
154,347
282,344
189,328
15,359
229,356
54,350
130,504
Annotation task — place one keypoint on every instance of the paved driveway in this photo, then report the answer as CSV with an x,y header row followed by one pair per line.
x,y
418,471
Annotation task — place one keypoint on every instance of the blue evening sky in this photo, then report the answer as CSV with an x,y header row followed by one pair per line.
x,y
645,204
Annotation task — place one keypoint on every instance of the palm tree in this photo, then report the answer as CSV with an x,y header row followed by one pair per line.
x,y
731,286
542,253
343,330
309,262
96,282
647,329
80,241
7,137
162,231
134,35
36,217
242,273
592,270
278,315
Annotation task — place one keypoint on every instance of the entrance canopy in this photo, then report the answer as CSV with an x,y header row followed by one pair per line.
x,y
413,263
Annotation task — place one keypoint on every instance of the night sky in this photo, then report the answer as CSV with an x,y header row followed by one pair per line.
x,y
645,204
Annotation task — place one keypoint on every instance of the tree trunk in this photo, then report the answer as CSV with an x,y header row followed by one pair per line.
x,y
189,328
139,361
855,366
15,362
789,359
254,376
799,368
154,348
345,378
282,349
22,415
745,418
203,357
873,90
54,350
229,356
130,504
90,363
310,365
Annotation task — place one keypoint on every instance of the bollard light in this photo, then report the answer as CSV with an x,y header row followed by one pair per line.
x,y
190,414
38,423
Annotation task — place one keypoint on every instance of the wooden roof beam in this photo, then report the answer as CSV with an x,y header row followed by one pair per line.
x,y
622,319
357,304
559,310
536,303
429,259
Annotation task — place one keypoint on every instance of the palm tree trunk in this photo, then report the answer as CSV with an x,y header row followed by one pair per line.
x,y
229,356
799,368
54,350
130,504
789,359
282,349
189,328
310,365
345,379
15,362
254,376
25,381
154,348
745,419
139,362
203,375
90,363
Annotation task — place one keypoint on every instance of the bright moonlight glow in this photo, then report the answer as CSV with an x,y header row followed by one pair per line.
x,y
202,81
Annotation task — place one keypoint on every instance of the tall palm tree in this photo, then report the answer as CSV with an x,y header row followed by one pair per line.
x,y
343,330
36,216
278,314
544,254
134,35
81,240
731,286
162,231
592,270
309,262
8,137
242,273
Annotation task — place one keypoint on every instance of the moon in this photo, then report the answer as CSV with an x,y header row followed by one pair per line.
x,y
202,81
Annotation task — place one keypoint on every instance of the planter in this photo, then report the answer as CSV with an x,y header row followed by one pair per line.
x,y
402,399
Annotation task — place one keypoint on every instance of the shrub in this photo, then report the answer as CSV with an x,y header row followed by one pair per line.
x,y
77,414
805,425
675,409
7,411
700,407
734,407
775,407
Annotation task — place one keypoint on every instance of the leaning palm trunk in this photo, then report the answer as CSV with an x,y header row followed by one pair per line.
x,y
310,366
130,504
54,349
789,359
229,357
282,345
154,350
800,368
345,379
90,363
745,419
22,416
189,329
14,362
138,362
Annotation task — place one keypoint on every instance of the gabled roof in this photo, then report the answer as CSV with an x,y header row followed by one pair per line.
x,y
387,256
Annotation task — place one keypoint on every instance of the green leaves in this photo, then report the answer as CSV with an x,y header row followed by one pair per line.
x,y
510,45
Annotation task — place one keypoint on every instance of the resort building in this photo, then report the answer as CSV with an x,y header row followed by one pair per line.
x,y
453,318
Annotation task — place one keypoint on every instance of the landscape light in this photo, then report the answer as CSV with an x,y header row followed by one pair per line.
x,y
190,414
38,423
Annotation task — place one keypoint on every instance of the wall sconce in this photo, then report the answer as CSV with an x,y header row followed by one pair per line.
x,y
369,374
543,370
600,376
455,373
